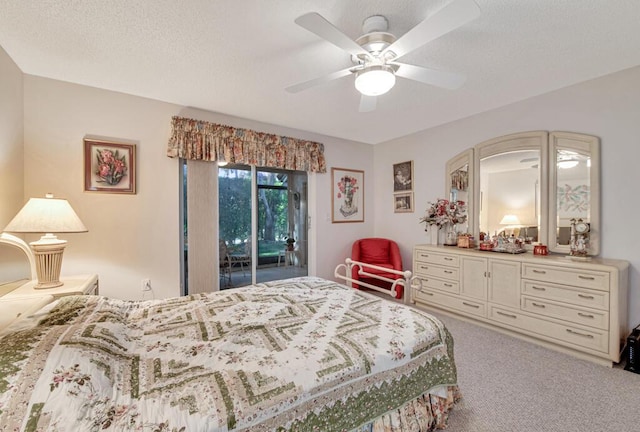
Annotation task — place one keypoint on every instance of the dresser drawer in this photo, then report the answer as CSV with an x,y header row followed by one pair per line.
x,y
437,258
591,318
576,337
423,269
440,284
590,298
434,298
567,276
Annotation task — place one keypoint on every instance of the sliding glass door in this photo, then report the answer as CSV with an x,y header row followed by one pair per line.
x,y
261,225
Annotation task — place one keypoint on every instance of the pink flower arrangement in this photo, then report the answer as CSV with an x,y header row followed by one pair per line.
x,y
111,167
443,212
347,186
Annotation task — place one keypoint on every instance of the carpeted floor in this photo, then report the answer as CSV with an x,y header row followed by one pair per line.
x,y
512,385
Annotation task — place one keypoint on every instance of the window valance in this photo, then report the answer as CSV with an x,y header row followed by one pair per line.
x,y
201,140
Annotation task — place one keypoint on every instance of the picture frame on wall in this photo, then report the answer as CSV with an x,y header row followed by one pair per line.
x,y
403,202
403,176
347,195
109,167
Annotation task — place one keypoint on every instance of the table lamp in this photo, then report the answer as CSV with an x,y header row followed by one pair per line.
x,y
510,220
47,215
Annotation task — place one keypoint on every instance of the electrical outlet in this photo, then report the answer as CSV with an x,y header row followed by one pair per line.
x,y
146,284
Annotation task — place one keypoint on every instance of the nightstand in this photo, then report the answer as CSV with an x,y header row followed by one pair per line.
x,y
73,285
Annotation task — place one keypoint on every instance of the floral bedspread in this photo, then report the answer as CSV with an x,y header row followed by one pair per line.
x,y
302,354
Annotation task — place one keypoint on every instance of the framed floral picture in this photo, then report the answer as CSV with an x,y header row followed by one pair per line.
x,y
109,167
403,202
347,195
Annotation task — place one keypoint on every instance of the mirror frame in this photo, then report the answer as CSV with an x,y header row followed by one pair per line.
x,y
583,144
453,164
548,144
534,140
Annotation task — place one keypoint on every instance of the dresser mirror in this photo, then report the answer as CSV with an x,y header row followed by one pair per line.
x,y
511,178
574,192
17,263
459,185
531,185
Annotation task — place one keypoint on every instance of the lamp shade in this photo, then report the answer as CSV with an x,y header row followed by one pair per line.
x,y
510,220
46,215
375,80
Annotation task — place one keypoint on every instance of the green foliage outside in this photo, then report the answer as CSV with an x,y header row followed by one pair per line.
x,y
235,214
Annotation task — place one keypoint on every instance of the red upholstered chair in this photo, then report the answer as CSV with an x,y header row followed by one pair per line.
x,y
381,252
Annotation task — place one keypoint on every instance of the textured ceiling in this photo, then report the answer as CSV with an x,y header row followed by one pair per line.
x,y
237,57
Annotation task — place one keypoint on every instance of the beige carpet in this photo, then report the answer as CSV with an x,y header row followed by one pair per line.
x,y
512,385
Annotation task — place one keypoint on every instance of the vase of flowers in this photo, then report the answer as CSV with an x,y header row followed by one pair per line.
x,y
443,213
347,187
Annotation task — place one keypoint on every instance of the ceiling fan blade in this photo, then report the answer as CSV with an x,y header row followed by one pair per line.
x,y
450,17
317,81
315,23
368,103
448,80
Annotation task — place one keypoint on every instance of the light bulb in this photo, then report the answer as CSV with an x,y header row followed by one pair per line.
x,y
375,80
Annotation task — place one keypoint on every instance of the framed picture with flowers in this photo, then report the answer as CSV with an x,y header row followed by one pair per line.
x,y
347,195
109,167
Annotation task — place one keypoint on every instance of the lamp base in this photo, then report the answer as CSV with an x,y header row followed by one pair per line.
x,y
48,252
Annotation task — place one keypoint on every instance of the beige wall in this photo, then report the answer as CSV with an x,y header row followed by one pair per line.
x,y
606,107
132,237
11,138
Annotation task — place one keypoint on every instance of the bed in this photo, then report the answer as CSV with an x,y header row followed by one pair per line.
x,y
304,354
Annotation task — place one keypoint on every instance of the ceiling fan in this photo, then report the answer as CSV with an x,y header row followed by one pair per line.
x,y
376,52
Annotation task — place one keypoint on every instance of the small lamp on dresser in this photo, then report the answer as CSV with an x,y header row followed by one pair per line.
x,y
48,216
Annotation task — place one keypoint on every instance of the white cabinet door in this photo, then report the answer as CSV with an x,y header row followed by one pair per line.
x,y
504,282
473,280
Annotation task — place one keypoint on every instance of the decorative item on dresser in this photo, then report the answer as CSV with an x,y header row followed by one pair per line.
x,y
571,306
447,214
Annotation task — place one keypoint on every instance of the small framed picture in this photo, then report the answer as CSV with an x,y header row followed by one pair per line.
x,y
347,195
403,202
403,176
109,167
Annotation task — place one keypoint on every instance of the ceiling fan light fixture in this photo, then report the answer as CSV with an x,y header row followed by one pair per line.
x,y
375,80
568,163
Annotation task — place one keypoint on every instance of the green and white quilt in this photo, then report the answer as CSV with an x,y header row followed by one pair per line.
x,y
302,354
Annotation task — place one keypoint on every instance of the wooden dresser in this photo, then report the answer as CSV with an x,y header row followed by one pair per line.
x,y
579,307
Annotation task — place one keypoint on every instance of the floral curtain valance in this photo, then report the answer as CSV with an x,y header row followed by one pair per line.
x,y
200,140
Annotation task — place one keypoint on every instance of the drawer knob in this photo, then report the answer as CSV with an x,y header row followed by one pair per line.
x,y
448,271
584,315
471,305
447,285
538,305
585,296
579,334
506,314
448,259
539,271
586,277
538,288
